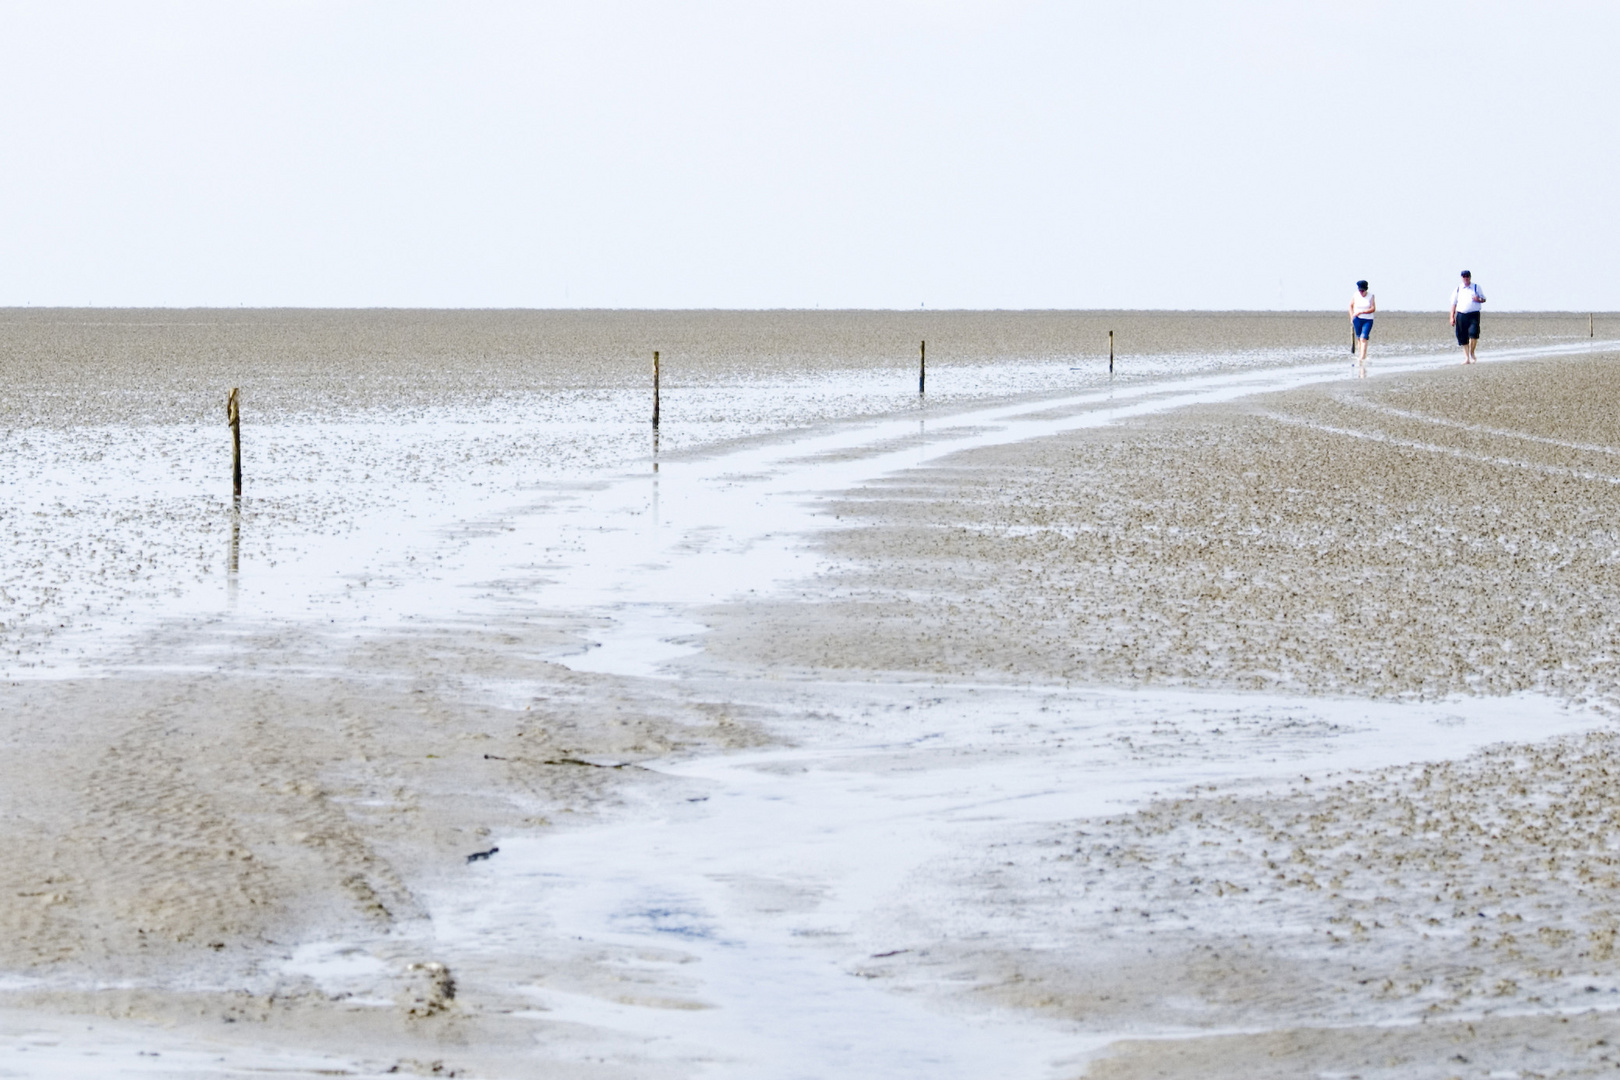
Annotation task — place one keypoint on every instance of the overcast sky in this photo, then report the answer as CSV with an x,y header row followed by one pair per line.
x,y
873,154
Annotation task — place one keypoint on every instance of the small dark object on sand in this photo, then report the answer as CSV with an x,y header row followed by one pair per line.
x,y
479,855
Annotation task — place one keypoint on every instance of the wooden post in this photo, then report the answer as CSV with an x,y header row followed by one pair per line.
x,y
1591,321
922,368
655,389
233,417
1110,352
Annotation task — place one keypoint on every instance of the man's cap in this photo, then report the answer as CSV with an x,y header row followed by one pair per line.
x,y
1467,274
1361,284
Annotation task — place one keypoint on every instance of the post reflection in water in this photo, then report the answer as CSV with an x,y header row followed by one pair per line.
x,y
233,553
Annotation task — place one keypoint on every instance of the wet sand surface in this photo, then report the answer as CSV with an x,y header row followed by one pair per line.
x,y
1426,535
1421,537
1296,704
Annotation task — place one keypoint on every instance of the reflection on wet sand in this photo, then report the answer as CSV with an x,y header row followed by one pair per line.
x,y
233,553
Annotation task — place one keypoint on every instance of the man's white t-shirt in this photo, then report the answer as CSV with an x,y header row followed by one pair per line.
x,y
1362,306
1467,298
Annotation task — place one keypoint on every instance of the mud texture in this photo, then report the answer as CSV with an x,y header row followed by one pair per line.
x,y
1541,1047
171,838
1453,532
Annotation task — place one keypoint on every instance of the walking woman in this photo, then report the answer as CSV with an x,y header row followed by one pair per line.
x,y
1362,306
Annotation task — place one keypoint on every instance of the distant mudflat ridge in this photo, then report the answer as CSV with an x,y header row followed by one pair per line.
x,y
473,353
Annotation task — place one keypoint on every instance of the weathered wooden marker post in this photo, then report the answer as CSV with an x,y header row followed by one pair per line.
x,y
922,368
1591,321
655,389
1110,352
233,417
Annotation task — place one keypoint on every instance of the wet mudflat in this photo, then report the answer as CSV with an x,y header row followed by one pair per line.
x,y
1440,537
866,735
1436,533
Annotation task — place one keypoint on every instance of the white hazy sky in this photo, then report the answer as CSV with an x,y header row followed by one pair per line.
x,y
873,154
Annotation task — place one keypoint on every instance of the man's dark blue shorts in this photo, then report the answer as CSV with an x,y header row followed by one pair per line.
x,y
1467,326
1362,327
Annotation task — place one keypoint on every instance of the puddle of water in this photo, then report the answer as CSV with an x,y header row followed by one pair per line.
x,y
39,1047
341,971
765,892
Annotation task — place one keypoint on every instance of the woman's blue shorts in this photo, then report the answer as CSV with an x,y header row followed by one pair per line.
x,y
1362,326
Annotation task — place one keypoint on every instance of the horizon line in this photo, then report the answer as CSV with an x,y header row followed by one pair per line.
x,y
7,308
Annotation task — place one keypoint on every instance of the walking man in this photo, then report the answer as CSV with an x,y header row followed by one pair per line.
x,y
1362,306
1465,305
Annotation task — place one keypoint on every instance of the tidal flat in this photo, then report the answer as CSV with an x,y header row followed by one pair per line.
x,y
1225,716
